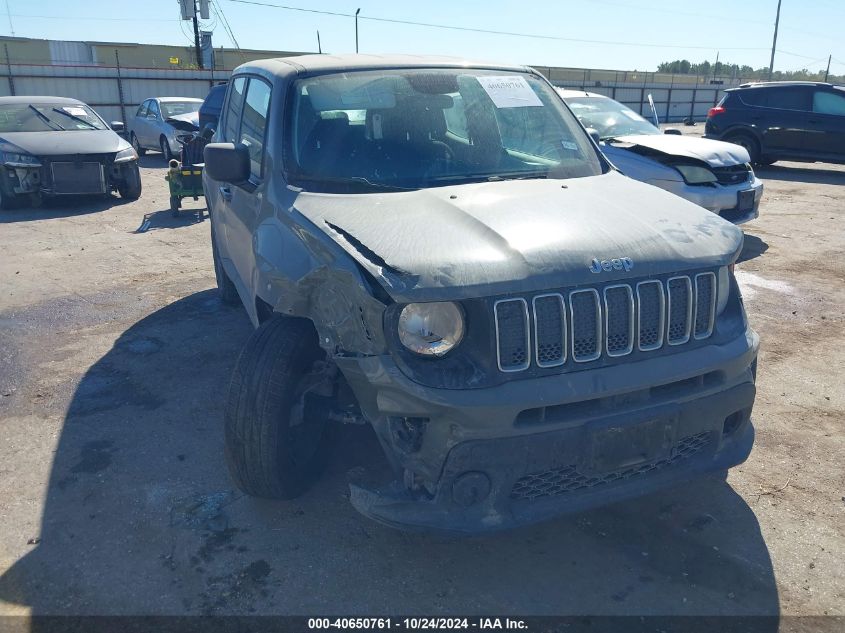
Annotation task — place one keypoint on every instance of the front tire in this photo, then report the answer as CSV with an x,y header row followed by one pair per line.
x,y
748,142
130,188
275,444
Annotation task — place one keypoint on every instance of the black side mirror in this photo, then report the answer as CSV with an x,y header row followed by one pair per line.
x,y
672,130
227,162
594,134
117,126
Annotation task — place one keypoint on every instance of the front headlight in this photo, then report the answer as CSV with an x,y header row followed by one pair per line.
x,y
723,290
125,155
695,175
431,329
15,159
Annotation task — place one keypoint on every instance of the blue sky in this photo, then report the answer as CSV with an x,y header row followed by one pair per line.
x,y
640,33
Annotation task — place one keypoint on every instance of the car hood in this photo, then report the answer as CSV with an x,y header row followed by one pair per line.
x,y
63,143
185,121
518,236
714,153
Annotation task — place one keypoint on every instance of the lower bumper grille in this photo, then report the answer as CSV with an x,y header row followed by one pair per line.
x,y
565,480
78,177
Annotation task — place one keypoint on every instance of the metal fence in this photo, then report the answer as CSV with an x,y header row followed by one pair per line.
x,y
116,91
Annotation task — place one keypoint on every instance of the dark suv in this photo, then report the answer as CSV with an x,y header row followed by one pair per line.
x,y
782,120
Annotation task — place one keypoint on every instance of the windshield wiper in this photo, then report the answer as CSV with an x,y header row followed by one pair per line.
x,y
80,119
352,180
50,122
517,176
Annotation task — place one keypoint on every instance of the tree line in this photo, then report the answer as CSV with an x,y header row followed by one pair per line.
x,y
727,69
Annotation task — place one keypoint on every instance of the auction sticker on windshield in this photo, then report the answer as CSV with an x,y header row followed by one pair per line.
x,y
509,91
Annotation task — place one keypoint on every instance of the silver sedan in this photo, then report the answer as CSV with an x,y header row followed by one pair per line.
x,y
152,128
712,174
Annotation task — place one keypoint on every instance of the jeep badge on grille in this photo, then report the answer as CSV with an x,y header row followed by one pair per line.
x,y
598,265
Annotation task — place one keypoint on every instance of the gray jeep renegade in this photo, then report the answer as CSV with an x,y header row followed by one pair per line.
x,y
438,249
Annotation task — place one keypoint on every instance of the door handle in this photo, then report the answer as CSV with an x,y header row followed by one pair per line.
x,y
226,192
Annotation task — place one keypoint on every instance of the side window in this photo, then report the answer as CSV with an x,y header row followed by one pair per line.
x,y
456,117
142,109
794,98
153,107
828,103
254,123
234,107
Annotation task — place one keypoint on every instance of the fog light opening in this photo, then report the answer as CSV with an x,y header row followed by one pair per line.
x,y
470,488
733,422
408,433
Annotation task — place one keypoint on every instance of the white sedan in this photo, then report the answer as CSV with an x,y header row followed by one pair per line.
x,y
713,174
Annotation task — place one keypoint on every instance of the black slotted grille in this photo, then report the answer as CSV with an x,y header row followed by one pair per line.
x,y
705,298
512,334
619,311
586,324
550,325
612,320
679,310
651,307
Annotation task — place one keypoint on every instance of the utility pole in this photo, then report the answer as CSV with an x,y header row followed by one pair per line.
x,y
716,64
356,29
196,36
774,43
319,46
9,13
827,72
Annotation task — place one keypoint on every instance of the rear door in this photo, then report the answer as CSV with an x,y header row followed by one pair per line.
x,y
783,116
248,198
827,124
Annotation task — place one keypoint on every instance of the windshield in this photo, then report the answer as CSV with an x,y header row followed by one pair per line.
x,y
430,127
608,117
172,108
48,117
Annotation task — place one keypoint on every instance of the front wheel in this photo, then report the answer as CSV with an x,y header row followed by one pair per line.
x,y
130,188
275,435
748,142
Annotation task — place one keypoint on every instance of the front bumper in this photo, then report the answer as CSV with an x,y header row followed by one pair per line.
x,y
486,465
720,199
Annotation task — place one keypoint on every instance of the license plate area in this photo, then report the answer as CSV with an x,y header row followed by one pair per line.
x,y
745,200
619,447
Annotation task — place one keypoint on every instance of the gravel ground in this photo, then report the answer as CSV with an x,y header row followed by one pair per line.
x,y
115,356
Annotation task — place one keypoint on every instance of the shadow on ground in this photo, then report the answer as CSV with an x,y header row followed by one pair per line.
x,y
140,517
752,247
66,206
813,174
166,220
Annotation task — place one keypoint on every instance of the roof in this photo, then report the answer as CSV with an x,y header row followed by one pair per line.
x,y
177,99
762,84
39,99
568,93
319,64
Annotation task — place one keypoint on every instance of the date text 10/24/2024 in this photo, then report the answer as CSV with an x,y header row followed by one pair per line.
x,y
418,623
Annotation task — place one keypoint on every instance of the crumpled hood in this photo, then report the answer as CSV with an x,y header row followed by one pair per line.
x,y
517,236
185,121
69,142
714,153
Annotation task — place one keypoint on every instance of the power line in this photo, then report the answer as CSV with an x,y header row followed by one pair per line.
x,y
495,32
219,11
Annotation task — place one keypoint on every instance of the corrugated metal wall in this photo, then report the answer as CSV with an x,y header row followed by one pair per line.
x,y
116,92
102,87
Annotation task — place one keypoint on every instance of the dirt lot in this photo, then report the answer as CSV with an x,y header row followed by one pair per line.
x,y
115,356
